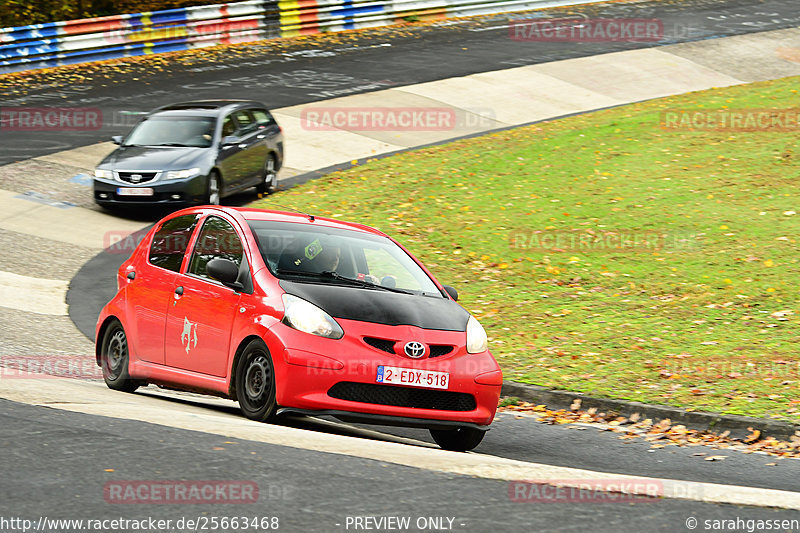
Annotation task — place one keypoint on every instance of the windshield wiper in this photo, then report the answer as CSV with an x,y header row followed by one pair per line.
x,y
327,274
363,283
181,145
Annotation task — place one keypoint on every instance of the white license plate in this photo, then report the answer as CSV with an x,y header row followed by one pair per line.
x,y
413,378
135,191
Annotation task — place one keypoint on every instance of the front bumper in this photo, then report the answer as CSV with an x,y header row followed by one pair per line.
x,y
171,192
340,375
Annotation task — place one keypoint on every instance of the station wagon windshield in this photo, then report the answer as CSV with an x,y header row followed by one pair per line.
x,y
317,254
173,131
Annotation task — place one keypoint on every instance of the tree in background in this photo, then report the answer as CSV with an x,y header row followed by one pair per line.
x,y
25,12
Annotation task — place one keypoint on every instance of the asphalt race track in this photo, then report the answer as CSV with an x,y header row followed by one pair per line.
x,y
64,443
303,489
353,64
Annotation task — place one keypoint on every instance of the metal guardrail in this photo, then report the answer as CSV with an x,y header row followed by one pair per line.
x,y
79,41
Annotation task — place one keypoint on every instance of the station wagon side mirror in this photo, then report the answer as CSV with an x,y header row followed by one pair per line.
x,y
116,139
225,271
229,140
451,291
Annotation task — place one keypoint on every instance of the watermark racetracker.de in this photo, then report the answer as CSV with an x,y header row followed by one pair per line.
x,y
400,118
731,120
49,367
584,29
151,492
618,490
50,119
601,239
720,368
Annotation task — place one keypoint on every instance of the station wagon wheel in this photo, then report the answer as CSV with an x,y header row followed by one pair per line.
x,y
461,439
214,188
255,382
114,359
270,182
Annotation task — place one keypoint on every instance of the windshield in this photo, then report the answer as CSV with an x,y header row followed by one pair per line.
x,y
317,254
173,131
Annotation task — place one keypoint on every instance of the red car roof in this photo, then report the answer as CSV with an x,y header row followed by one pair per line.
x,y
251,213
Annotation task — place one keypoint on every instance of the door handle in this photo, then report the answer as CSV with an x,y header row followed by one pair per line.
x,y
260,136
179,291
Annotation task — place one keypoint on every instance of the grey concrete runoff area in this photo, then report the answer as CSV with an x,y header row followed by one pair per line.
x,y
70,443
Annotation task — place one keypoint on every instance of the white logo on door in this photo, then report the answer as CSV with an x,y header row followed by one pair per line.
x,y
189,335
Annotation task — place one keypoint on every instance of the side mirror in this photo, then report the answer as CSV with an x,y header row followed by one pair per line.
x,y
116,139
225,271
229,140
451,291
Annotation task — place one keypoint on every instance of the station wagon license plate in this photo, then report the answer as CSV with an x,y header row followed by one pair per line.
x,y
135,191
413,377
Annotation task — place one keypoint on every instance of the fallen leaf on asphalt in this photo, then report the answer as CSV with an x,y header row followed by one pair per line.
x,y
716,458
660,434
752,437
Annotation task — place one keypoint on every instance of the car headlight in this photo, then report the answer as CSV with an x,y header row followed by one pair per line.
x,y
180,174
100,173
307,317
476,336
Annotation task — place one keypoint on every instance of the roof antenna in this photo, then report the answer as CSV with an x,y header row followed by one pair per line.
x,y
292,210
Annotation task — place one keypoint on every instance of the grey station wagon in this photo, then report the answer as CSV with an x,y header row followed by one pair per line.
x,y
192,153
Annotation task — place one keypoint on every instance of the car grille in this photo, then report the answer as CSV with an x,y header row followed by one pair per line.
x,y
382,344
386,345
402,396
438,350
137,177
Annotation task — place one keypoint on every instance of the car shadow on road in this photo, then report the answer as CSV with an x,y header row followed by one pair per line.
x,y
320,425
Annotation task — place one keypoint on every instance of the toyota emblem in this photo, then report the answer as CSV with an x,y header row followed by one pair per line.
x,y
414,349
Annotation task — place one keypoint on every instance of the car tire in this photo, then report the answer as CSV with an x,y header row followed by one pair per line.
x,y
269,183
461,439
255,382
114,359
214,188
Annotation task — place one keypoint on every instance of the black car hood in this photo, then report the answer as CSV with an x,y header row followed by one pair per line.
x,y
154,157
382,307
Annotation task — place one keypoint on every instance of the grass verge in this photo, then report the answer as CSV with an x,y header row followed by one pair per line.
x,y
607,255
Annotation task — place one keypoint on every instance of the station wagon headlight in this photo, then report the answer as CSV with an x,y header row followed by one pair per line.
x,y
307,317
100,173
181,174
476,336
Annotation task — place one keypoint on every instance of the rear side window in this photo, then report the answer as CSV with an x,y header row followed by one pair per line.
x,y
216,239
263,117
246,121
171,241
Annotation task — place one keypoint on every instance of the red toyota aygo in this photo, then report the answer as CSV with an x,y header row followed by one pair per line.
x,y
290,313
